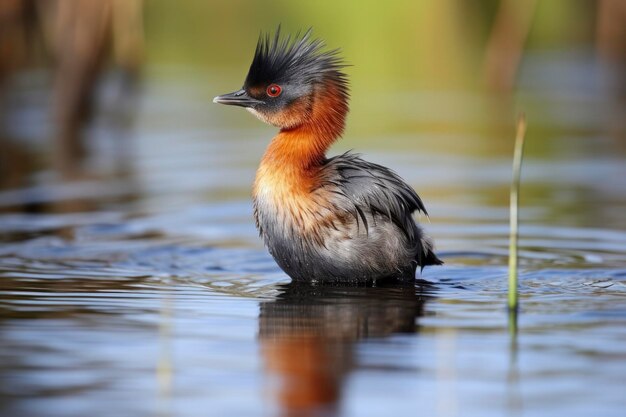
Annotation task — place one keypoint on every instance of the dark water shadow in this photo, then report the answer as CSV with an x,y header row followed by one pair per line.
x,y
308,334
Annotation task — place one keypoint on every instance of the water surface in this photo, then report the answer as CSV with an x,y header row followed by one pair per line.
x,y
144,290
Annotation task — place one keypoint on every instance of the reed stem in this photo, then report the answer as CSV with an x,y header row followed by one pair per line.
x,y
513,302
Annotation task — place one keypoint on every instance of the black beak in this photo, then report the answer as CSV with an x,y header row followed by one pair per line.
x,y
238,98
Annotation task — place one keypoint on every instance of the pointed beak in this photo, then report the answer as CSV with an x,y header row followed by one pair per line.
x,y
238,98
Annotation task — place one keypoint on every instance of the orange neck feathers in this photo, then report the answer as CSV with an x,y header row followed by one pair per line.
x,y
292,160
304,146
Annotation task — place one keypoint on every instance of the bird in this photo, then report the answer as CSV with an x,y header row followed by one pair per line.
x,y
324,219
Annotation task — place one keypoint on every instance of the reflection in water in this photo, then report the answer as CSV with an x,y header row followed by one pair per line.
x,y
307,336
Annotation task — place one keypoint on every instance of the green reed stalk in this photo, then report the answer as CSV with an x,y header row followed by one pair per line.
x,y
513,302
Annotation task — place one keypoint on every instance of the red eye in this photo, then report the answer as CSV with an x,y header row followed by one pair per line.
x,y
274,90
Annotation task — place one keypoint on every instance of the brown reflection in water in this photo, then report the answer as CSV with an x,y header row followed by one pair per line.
x,y
307,336
34,298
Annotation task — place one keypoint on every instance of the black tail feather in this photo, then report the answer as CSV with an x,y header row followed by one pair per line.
x,y
428,256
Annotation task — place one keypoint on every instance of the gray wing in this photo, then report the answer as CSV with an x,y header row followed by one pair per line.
x,y
375,189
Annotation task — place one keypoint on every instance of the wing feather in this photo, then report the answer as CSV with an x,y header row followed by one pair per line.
x,y
375,189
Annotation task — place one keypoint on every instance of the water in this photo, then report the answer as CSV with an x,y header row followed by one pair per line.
x,y
148,292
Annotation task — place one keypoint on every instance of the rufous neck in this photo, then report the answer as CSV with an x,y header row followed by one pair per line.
x,y
305,145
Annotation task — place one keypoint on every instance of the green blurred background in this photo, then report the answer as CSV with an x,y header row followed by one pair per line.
x,y
434,77
401,47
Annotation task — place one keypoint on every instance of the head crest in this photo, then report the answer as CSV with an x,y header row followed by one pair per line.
x,y
301,59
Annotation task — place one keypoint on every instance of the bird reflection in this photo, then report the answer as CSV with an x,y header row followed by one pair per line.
x,y
307,335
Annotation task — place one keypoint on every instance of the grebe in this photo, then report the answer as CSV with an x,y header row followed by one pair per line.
x,y
338,219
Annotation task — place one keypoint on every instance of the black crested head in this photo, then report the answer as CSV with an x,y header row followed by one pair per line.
x,y
297,61
294,81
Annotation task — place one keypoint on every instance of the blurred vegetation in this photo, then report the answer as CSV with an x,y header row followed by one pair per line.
x,y
405,44
394,50
444,76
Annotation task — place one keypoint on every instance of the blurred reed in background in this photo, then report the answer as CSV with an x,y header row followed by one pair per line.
x,y
74,42
431,46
